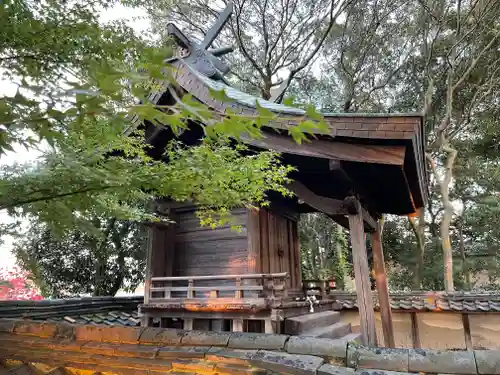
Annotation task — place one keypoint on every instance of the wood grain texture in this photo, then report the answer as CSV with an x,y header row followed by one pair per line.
x,y
382,288
273,251
467,333
264,240
362,280
149,255
326,205
254,249
205,251
415,332
381,154
293,275
296,251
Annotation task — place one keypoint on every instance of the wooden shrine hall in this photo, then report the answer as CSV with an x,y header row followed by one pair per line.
x,y
366,165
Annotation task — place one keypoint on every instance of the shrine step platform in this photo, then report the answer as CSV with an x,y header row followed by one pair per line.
x,y
325,324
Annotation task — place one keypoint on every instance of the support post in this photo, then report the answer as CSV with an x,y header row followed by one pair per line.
x,y
382,288
268,326
361,273
415,331
149,273
237,325
189,322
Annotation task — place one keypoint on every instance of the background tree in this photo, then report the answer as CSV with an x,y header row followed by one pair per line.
x,y
15,284
77,88
324,249
82,264
276,40
438,56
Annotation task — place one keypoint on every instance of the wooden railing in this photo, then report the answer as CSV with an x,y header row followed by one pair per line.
x,y
235,296
269,286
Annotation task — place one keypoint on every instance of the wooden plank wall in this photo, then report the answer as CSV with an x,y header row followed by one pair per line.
x,y
205,251
279,245
162,250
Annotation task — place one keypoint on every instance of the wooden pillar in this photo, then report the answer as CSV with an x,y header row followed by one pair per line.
x,y
188,324
382,288
147,278
237,325
415,331
362,275
268,326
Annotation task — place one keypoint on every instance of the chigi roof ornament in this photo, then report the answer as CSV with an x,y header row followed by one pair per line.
x,y
198,55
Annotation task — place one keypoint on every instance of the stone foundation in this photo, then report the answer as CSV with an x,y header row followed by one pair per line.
x,y
47,347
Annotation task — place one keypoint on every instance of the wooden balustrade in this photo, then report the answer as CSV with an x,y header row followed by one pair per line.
x,y
268,286
235,296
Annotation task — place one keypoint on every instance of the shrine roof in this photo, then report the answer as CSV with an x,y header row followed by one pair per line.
x,y
368,147
109,311
252,101
460,302
378,158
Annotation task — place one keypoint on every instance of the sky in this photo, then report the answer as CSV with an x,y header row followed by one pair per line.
x,y
137,19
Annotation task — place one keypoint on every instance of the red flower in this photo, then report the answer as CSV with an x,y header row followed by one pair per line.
x,y
15,285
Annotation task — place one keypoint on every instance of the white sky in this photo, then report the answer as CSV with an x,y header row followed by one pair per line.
x,y
135,18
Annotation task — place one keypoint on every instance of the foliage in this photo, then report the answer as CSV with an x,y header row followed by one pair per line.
x,y
83,264
440,57
277,40
15,285
323,249
80,103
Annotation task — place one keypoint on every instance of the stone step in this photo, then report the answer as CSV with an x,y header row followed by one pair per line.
x,y
356,337
303,323
333,331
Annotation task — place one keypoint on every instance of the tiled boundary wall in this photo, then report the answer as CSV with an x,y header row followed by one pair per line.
x,y
437,330
64,348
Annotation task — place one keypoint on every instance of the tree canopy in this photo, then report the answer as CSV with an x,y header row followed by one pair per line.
x,y
83,264
79,81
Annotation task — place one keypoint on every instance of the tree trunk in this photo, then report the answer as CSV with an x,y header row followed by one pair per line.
x,y
118,281
419,231
444,187
339,255
266,88
446,220
465,267
421,249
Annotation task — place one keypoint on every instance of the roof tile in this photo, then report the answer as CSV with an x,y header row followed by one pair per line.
x,y
427,301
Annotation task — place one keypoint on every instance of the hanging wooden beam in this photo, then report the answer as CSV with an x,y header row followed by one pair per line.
x,y
382,288
326,205
335,208
362,275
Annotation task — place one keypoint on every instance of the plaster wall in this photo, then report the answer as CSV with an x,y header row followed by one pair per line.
x,y
402,327
485,330
437,330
